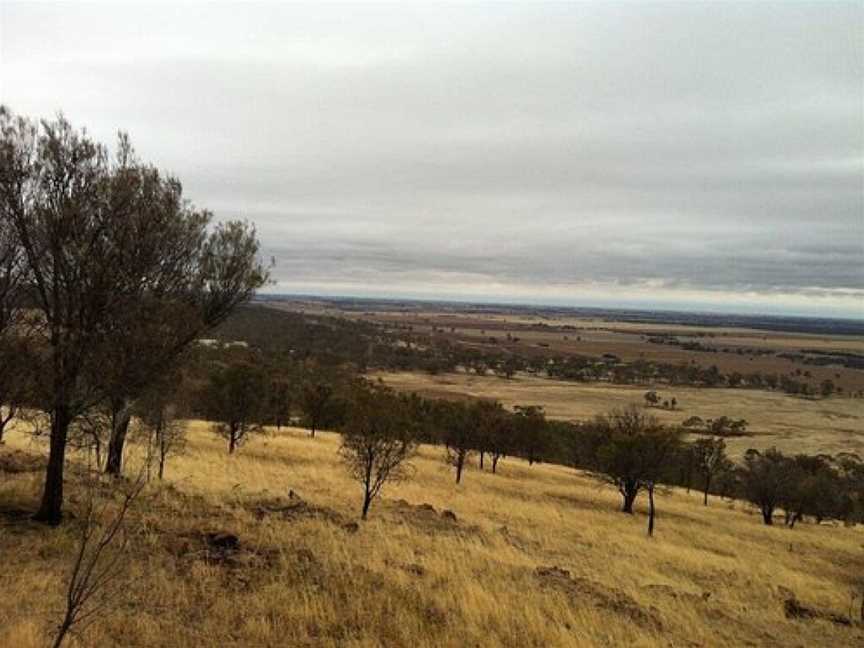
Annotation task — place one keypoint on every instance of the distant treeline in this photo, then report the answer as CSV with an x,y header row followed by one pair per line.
x,y
336,340
789,324
816,357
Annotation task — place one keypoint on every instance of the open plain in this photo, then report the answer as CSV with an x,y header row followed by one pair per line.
x,y
791,423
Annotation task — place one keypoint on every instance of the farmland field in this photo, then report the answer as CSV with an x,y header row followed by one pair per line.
x,y
550,333
792,424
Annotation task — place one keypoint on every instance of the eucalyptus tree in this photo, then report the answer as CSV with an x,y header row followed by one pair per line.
x,y
711,461
458,424
235,399
123,271
765,480
378,439
636,454
496,431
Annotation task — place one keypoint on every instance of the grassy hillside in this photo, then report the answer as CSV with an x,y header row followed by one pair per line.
x,y
536,556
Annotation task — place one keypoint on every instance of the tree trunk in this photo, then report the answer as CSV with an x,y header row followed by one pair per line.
x,y
51,509
629,497
687,476
232,441
97,447
768,515
494,464
459,462
120,420
312,430
481,459
651,510
367,501
707,488
163,452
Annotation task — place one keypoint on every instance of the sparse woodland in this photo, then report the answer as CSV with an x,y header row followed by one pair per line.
x,y
157,484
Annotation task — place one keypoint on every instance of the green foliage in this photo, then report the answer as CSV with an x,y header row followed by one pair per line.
x,y
378,438
637,452
765,480
235,398
122,271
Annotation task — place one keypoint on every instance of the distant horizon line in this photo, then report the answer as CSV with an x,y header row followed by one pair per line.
x,y
681,309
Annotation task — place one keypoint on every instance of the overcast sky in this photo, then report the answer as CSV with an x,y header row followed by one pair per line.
x,y
682,155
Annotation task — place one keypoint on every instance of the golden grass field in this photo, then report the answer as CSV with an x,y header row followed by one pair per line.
x,y
791,423
410,577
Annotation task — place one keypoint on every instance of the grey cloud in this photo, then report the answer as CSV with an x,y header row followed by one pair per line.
x,y
768,268
701,147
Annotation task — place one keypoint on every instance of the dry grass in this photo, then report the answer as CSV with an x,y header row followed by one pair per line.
x,y
409,577
793,424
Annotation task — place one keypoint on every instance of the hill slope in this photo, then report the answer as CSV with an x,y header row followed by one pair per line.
x,y
536,556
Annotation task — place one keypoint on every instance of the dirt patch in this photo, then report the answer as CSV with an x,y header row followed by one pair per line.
x,y
795,609
426,516
221,548
294,508
581,590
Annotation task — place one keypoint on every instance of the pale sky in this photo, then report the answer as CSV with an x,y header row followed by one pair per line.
x,y
677,155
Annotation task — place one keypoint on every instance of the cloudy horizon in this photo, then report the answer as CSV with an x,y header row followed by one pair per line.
x,y
682,155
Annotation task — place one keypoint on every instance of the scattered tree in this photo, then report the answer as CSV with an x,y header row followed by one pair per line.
x,y
377,440
280,401
636,454
764,480
530,432
497,430
316,398
458,424
157,411
235,398
814,488
711,461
